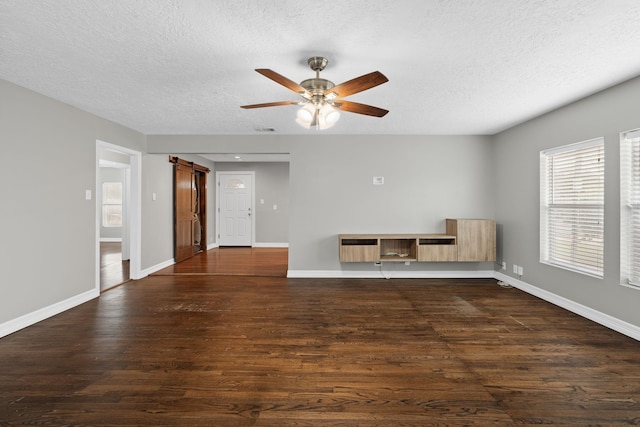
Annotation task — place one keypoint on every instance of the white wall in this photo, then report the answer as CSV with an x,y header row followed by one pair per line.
x,y
516,155
47,249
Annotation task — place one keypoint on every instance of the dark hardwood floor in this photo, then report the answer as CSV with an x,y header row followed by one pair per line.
x,y
212,350
234,261
113,270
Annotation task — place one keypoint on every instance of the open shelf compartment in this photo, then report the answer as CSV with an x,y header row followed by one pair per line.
x,y
398,249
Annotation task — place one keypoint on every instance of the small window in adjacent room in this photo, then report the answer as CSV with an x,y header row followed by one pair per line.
x,y
112,204
572,207
630,209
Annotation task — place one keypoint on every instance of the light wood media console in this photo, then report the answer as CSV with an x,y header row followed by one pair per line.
x,y
466,240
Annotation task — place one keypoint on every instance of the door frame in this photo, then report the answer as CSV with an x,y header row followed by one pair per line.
x,y
253,202
134,209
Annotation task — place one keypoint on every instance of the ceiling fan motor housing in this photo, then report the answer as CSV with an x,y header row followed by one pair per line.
x,y
316,87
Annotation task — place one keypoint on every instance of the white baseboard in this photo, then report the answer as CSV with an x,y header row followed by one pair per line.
x,y
147,271
111,239
29,319
603,319
255,245
270,245
373,274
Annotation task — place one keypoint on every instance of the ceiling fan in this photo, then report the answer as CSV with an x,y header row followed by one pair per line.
x,y
321,98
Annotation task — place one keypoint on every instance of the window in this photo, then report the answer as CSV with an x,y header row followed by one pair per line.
x,y
572,207
630,209
112,204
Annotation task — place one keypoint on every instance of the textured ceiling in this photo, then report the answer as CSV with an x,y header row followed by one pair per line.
x,y
185,67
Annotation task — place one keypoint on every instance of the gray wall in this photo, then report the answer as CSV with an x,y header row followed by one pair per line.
x,y
427,179
47,249
272,187
157,215
516,155
157,218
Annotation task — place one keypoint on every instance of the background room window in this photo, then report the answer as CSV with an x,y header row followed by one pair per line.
x,y
572,207
112,204
630,209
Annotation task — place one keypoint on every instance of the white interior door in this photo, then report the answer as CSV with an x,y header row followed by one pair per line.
x,y
235,208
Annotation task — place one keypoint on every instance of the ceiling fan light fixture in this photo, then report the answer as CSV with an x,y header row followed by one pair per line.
x,y
330,114
304,116
320,117
322,99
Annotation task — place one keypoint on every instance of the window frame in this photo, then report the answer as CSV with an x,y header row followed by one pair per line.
x,y
581,248
630,207
107,203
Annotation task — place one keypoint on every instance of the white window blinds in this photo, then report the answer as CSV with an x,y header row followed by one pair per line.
x,y
630,209
572,207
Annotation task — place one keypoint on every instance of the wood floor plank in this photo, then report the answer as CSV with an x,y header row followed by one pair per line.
x,y
113,270
178,349
233,261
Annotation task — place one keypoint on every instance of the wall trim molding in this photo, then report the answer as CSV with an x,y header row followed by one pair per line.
x,y
365,274
110,239
603,319
212,246
270,245
148,271
39,315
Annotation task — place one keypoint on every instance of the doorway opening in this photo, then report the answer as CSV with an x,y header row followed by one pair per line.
x,y
264,235
114,178
118,215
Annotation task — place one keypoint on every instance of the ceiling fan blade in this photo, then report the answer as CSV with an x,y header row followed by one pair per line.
x,y
358,84
271,104
356,107
280,79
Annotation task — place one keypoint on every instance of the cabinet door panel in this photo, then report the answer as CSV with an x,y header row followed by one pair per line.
x,y
437,253
476,239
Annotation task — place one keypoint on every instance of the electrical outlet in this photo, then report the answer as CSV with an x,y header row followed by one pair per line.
x,y
520,270
504,265
515,269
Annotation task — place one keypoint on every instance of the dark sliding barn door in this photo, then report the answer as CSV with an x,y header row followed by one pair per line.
x,y
189,195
